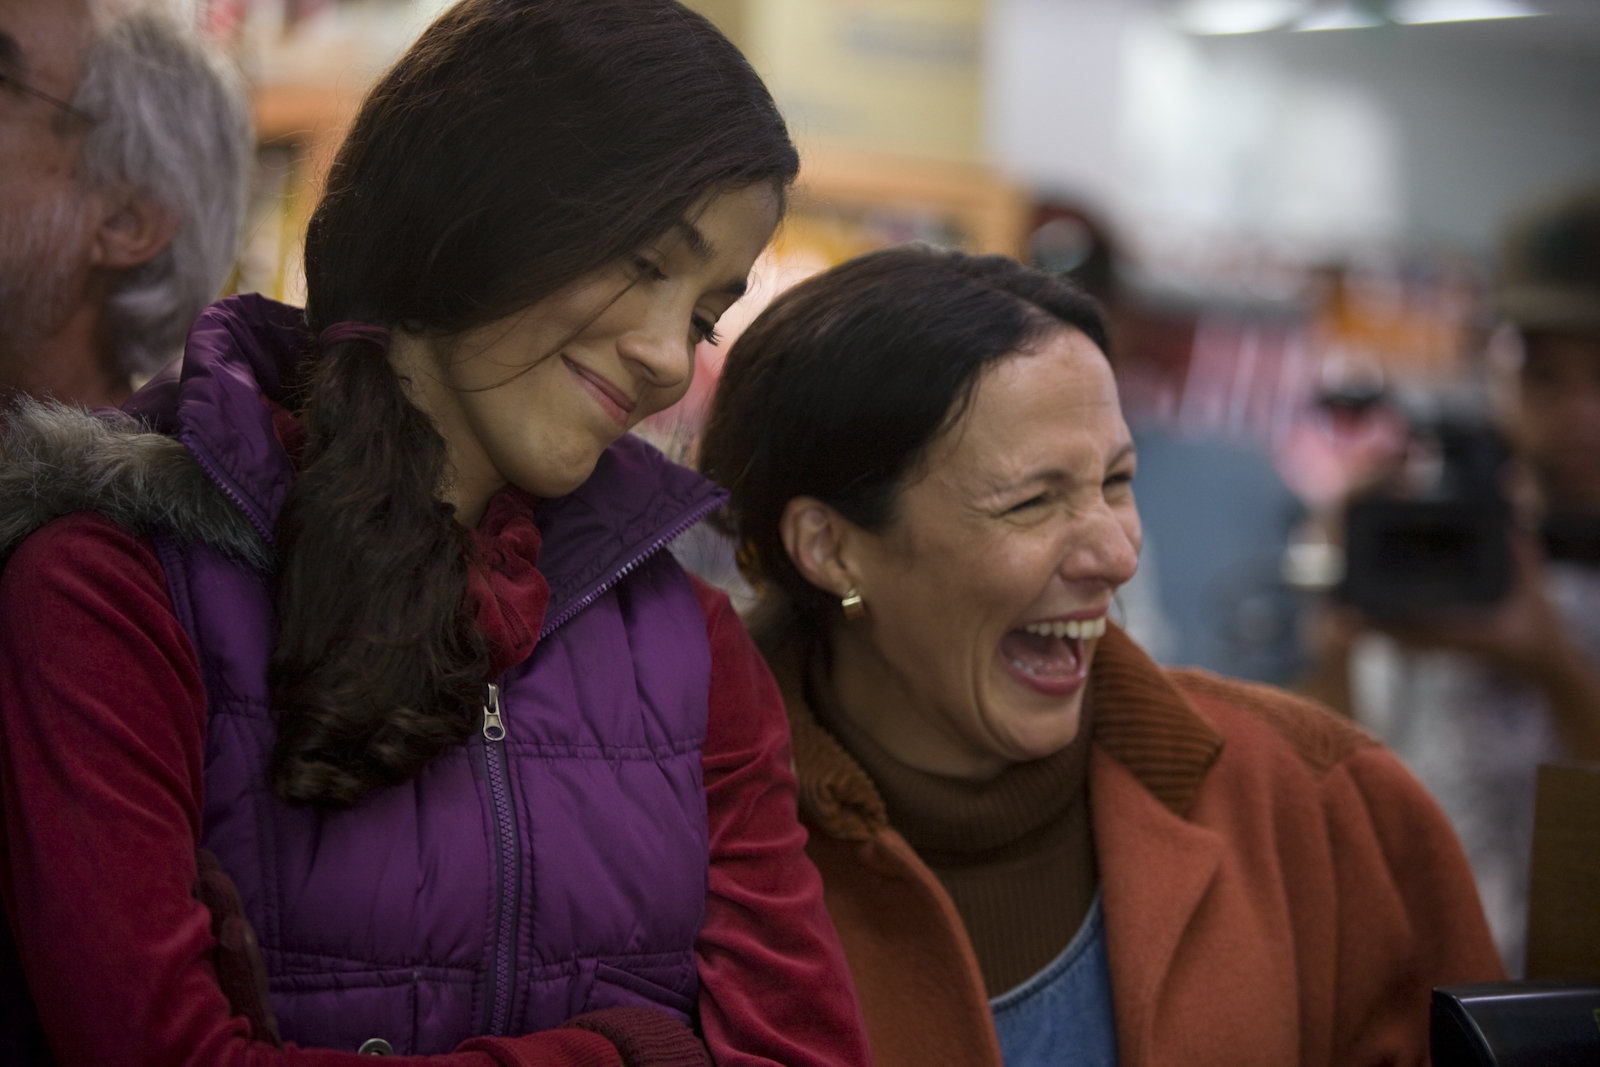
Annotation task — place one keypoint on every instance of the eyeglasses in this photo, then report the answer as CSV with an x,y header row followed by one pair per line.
x,y
53,101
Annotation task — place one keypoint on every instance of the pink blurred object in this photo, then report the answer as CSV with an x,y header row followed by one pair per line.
x,y
1331,451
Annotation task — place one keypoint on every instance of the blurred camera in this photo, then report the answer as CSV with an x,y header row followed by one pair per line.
x,y
1572,537
1434,533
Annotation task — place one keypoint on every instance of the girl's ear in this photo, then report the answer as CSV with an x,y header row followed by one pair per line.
x,y
818,541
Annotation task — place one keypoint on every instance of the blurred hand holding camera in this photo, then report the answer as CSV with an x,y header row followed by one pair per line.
x,y
1447,546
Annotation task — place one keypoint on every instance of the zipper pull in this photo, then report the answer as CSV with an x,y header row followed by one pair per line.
x,y
494,728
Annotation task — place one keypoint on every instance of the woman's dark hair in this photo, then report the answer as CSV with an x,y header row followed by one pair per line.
x,y
839,387
516,147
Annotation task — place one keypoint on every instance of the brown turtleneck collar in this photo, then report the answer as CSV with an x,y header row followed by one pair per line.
x,y
1015,852
940,815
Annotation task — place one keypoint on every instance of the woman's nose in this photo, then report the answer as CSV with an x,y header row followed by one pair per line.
x,y
1104,548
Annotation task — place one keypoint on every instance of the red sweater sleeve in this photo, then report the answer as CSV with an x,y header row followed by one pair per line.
x,y
102,730
775,987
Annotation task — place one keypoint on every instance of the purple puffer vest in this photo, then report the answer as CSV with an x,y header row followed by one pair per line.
x,y
519,880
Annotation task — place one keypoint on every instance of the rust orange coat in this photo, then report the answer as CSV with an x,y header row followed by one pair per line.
x,y
1278,889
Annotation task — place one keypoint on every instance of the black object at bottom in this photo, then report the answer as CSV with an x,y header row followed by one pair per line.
x,y
1526,1023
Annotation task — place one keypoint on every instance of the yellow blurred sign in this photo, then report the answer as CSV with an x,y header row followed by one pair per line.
x,y
897,76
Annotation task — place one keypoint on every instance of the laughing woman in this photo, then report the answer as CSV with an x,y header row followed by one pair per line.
x,y
1038,845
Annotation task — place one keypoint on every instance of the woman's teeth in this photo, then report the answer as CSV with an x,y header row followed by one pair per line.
x,y
1053,652
1087,629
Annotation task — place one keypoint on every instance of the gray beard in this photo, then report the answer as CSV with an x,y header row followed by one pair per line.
x,y
41,278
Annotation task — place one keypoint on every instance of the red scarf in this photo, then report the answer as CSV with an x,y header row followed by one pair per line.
x,y
503,578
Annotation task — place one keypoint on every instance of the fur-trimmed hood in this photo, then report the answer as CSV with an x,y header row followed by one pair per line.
x,y
192,455
56,459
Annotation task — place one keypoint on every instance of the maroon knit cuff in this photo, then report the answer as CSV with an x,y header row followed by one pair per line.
x,y
646,1037
570,1048
237,957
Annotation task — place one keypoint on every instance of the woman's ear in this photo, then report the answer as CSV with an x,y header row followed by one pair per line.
x,y
817,539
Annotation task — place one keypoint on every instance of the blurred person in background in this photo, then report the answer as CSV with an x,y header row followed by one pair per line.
x,y
365,609
1474,697
1034,839
124,148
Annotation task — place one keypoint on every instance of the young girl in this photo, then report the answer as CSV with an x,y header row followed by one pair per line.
x,y
371,604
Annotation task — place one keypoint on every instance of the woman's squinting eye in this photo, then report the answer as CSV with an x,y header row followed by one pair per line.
x,y
1119,479
1031,502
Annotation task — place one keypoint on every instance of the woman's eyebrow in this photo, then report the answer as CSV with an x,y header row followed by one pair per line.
x,y
1052,475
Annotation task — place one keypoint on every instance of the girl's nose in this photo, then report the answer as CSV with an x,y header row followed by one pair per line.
x,y
659,350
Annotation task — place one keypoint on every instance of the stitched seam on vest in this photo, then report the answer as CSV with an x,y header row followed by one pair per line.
x,y
672,956
685,747
571,964
304,965
172,568
177,562
300,966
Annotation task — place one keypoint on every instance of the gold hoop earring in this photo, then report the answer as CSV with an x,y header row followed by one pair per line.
x,y
853,607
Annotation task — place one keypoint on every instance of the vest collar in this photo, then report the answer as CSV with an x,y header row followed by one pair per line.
x,y
246,347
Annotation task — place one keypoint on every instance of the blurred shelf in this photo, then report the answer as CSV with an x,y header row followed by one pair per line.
x,y
988,213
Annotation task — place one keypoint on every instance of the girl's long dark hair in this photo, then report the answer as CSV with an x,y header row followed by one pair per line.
x,y
517,146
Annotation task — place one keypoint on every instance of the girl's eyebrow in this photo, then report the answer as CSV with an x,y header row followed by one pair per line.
x,y
702,249
697,241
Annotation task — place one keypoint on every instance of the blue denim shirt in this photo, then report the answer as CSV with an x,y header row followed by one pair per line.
x,y
1063,1014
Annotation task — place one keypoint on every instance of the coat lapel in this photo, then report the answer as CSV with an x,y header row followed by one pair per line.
x,y
1152,753
1155,869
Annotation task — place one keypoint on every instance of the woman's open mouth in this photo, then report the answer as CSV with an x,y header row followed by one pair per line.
x,y
1049,656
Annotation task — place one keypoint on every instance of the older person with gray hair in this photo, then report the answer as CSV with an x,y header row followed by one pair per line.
x,y
124,147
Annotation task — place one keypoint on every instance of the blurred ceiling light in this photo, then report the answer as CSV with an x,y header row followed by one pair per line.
x,y
1342,15
1216,17
1219,17
1417,12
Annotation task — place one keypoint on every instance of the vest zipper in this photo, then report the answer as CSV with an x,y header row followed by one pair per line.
x,y
688,519
224,484
498,997
494,733
494,727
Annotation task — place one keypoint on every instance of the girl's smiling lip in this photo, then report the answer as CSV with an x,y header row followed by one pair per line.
x,y
618,404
